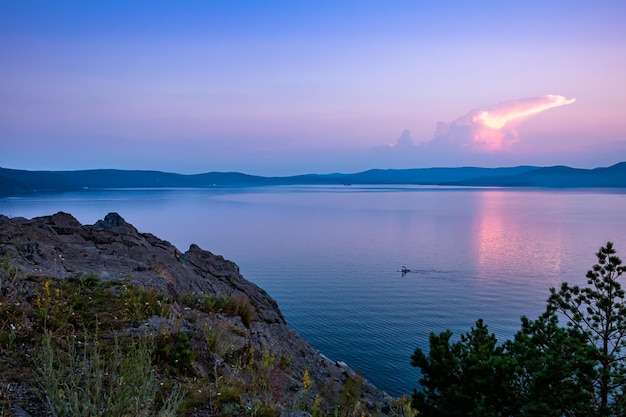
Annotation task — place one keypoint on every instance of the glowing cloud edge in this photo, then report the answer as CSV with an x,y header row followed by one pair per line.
x,y
497,119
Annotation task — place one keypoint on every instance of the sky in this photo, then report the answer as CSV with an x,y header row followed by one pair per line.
x,y
293,87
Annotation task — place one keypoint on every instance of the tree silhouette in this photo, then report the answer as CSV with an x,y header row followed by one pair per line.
x,y
598,313
471,377
548,369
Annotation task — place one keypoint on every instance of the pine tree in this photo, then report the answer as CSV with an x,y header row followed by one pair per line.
x,y
598,313
549,369
471,377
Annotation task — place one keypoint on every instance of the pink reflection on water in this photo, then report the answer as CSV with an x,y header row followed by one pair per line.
x,y
510,237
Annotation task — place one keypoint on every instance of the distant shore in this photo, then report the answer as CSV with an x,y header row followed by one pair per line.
x,y
16,182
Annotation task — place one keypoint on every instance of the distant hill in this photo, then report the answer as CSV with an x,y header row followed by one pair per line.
x,y
428,176
557,177
14,182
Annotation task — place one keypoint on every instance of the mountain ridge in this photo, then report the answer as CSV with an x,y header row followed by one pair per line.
x,y
15,182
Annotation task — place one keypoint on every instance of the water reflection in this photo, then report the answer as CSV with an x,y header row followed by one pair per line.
x,y
511,233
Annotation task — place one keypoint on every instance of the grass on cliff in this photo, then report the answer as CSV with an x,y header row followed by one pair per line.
x,y
65,337
92,378
89,347
234,305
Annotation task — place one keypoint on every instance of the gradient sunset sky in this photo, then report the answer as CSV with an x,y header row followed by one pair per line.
x,y
291,87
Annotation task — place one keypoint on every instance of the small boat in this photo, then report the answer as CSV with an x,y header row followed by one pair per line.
x,y
404,269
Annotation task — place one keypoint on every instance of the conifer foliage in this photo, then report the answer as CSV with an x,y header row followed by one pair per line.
x,y
598,313
570,361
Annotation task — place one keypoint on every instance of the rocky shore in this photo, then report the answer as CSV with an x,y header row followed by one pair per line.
x,y
249,347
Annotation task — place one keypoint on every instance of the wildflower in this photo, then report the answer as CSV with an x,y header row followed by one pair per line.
x,y
316,408
306,381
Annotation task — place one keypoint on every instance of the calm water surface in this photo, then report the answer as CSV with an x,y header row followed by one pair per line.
x,y
330,255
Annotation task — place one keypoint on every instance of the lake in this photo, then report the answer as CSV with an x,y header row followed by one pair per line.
x,y
330,255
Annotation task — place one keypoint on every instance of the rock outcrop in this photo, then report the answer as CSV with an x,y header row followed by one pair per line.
x,y
59,246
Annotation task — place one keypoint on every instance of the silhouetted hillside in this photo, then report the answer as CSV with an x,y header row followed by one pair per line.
x,y
113,178
557,177
19,181
429,176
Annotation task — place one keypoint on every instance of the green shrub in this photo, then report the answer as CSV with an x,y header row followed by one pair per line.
x,y
176,351
86,301
219,341
232,305
143,303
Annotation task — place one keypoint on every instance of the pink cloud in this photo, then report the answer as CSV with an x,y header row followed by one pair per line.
x,y
493,129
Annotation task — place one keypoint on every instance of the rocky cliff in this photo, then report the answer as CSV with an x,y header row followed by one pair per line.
x,y
234,332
